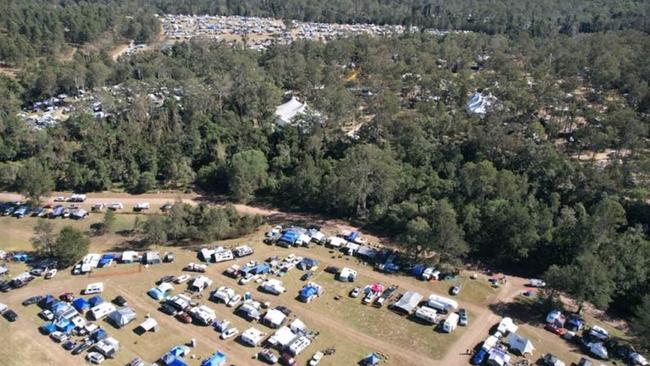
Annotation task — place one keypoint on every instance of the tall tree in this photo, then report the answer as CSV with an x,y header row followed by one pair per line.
x,y
44,238
34,180
70,246
248,172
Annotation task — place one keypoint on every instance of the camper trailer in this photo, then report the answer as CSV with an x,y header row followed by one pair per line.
x,y
427,315
450,323
94,288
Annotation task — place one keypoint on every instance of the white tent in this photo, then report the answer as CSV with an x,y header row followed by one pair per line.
x,y
520,344
122,317
285,113
149,324
274,318
507,326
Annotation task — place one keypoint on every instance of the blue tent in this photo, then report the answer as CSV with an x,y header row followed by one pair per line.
x,y
47,302
95,300
479,357
307,292
371,360
106,259
48,328
307,263
179,351
155,293
80,304
390,267
217,359
58,307
98,335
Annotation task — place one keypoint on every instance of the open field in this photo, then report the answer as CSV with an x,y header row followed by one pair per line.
x,y
345,324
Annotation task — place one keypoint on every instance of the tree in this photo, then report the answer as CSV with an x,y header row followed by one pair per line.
x,y
44,238
109,222
418,236
641,321
155,230
247,173
447,235
34,180
70,246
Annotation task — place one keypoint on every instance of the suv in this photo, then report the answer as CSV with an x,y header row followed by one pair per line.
x,y
10,315
464,318
32,300
268,356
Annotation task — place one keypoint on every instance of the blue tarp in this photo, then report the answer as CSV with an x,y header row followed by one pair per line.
x,y
80,304
418,270
217,359
95,300
289,237
366,252
371,360
390,267
21,257
352,236
47,302
178,351
58,307
105,259
48,328
170,360
155,293
64,325
260,268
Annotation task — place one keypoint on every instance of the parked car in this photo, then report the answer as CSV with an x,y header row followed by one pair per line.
x,y
66,296
120,301
315,359
59,337
284,310
50,273
69,345
46,314
10,315
5,287
37,272
184,317
81,347
166,279
136,362
455,289
287,360
32,300
234,301
355,292
464,317
228,333
549,360
168,309
554,329
267,356
95,357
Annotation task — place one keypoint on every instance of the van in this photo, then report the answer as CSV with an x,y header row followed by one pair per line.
x,y
450,323
94,288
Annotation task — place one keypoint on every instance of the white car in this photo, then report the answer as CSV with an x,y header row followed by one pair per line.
x,y
59,336
315,359
95,357
46,314
228,333
182,278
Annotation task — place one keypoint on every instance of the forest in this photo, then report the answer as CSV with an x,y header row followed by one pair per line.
x,y
525,188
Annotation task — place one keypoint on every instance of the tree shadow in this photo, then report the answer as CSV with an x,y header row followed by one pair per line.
x,y
521,312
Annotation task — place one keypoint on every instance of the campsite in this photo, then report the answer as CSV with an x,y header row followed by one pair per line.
x,y
338,322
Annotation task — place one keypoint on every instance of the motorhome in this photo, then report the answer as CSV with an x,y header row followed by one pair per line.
x,y
94,288
450,323
427,315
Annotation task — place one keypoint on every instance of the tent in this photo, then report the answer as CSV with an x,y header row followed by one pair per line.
x,y
598,350
498,357
81,304
47,302
366,252
217,359
371,360
48,328
308,263
95,300
520,344
408,302
149,324
64,325
122,317
308,292
289,237
352,236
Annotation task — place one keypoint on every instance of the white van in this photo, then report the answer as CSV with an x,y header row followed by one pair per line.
x,y
94,288
450,323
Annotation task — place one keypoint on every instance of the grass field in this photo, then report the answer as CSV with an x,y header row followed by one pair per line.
x,y
343,323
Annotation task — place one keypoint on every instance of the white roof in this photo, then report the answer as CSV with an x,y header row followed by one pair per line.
x,y
297,325
521,344
165,286
102,310
252,335
149,324
286,112
274,316
449,302
283,336
507,326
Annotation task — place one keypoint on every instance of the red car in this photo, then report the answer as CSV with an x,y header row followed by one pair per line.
x,y
184,317
554,329
66,296
287,360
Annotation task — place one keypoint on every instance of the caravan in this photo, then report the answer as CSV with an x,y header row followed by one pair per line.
x,y
94,288
441,303
427,315
450,323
